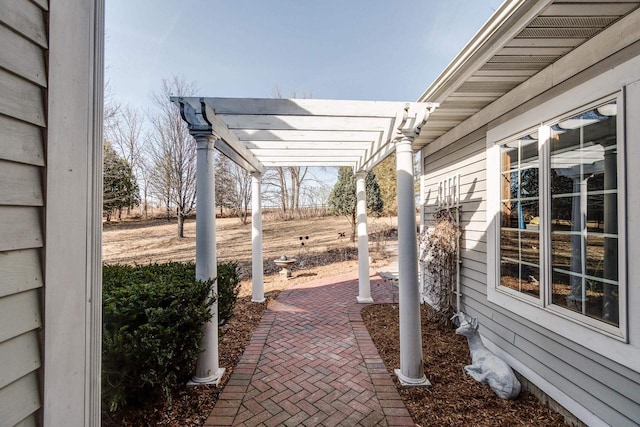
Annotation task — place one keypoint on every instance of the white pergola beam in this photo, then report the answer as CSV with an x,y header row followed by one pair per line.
x,y
311,163
319,157
201,119
378,146
241,150
323,145
297,135
232,154
310,152
372,161
281,122
313,107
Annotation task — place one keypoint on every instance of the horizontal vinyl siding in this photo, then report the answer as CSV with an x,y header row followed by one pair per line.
x,y
609,390
19,271
30,421
21,142
19,357
15,410
23,82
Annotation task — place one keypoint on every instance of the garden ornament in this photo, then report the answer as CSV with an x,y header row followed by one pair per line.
x,y
486,367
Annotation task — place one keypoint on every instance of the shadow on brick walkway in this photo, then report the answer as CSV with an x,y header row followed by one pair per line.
x,y
312,362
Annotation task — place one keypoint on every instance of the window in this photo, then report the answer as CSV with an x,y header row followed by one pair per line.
x,y
557,238
584,213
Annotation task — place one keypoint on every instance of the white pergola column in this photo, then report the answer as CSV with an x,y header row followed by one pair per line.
x,y
257,267
364,286
411,372
207,370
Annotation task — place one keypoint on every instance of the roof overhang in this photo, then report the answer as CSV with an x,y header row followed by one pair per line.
x,y
258,133
522,38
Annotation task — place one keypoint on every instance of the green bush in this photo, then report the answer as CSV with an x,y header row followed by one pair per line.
x,y
153,318
228,288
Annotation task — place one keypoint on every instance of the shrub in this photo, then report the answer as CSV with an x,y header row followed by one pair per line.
x,y
228,288
153,318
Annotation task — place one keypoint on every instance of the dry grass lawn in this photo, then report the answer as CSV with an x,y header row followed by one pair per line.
x,y
141,242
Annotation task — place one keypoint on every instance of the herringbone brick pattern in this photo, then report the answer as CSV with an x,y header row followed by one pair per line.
x,y
312,362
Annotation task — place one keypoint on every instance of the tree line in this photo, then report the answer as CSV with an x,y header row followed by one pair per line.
x,y
150,159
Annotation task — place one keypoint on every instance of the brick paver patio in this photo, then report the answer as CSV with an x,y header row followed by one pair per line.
x,y
312,362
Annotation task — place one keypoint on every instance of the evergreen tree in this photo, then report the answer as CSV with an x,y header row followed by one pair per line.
x,y
120,189
343,198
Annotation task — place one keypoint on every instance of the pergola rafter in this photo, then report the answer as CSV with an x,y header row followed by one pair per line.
x,y
256,133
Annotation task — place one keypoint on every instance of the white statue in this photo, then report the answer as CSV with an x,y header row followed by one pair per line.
x,y
486,368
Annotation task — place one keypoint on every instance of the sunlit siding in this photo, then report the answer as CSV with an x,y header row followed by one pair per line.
x,y
607,389
23,50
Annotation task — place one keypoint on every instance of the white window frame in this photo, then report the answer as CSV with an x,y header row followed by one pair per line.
x,y
605,339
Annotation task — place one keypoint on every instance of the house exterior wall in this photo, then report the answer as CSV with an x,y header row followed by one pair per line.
x,y
50,211
597,380
23,89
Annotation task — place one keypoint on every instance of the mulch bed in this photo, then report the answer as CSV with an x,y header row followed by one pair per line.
x,y
191,406
454,399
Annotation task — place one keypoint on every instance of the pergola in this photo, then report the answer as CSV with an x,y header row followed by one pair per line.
x,y
258,133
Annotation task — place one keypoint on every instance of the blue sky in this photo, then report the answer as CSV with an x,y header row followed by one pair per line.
x,y
334,49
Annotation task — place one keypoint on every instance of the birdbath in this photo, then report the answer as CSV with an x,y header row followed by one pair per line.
x,y
285,263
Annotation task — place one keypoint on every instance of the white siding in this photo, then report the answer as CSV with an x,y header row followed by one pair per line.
x,y
14,410
602,386
23,85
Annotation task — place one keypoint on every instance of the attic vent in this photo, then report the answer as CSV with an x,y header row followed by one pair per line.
x,y
514,66
524,58
480,87
573,21
558,33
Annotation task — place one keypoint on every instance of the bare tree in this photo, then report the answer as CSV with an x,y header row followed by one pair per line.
x,y
111,108
161,184
173,154
225,185
242,192
125,133
233,187
297,175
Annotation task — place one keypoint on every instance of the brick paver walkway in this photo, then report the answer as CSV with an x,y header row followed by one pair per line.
x,y
312,362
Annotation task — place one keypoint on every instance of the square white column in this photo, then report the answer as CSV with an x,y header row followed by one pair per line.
x,y
257,263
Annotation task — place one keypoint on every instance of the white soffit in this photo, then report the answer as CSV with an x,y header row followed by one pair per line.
x,y
522,38
258,133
